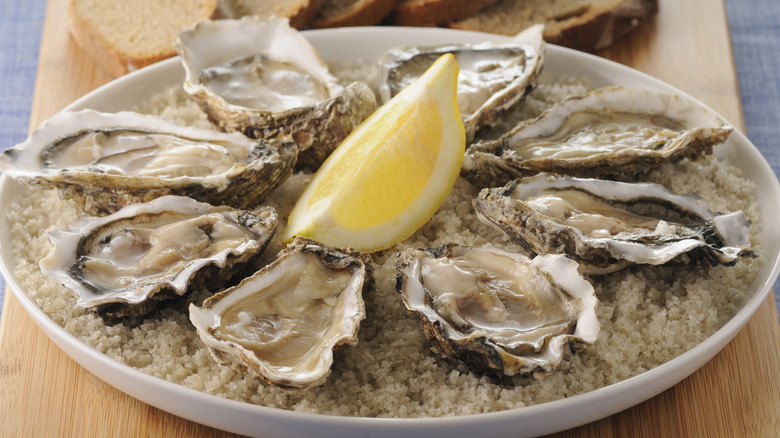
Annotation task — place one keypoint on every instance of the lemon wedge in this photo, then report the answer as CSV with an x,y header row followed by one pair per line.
x,y
389,176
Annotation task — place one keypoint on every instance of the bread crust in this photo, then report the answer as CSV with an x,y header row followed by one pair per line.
x,y
107,55
300,12
108,59
603,29
591,30
433,12
362,13
306,15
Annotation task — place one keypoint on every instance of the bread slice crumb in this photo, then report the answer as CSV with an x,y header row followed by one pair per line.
x,y
300,12
124,35
433,12
340,13
587,25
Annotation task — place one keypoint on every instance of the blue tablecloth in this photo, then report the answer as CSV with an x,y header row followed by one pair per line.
x,y
21,26
755,37
755,41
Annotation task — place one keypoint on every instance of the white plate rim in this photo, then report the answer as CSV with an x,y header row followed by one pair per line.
x,y
247,419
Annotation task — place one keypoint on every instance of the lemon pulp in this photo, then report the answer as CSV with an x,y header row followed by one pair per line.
x,y
388,177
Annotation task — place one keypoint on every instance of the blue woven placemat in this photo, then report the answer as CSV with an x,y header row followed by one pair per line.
x,y
755,41
21,26
755,36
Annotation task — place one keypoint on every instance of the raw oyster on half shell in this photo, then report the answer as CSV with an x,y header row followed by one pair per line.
x,y
285,320
262,78
497,311
608,225
109,160
127,263
493,78
610,132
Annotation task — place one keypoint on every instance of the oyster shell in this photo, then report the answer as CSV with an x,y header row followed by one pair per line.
x,y
285,320
497,311
607,225
609,132
262,78
126,263
108,160
494,76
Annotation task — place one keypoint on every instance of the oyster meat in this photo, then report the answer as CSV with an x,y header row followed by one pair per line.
x,y
285,320
607,225
126,263
108,160
494,76
610,132
261,77
499,312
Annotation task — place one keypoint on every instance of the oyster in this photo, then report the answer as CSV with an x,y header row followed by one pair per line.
x,y
126,263
497,311
494,76
607,225
285,320
609,132
262,78
108,160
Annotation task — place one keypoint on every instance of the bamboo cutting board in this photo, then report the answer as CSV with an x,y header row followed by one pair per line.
x,y
45,393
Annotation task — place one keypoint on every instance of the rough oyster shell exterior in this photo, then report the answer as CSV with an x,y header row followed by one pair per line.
x,y
608,225
317,121
494,76
128,263
611,132
108,160
284,321
498,312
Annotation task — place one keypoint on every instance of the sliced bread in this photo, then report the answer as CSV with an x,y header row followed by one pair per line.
x,y
587,25
338,13
300,12
125,35
433,12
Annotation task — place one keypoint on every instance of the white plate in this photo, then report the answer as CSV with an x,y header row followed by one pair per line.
x,y
247,419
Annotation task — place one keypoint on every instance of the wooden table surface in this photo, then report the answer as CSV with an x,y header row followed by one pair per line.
x,y
43,393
